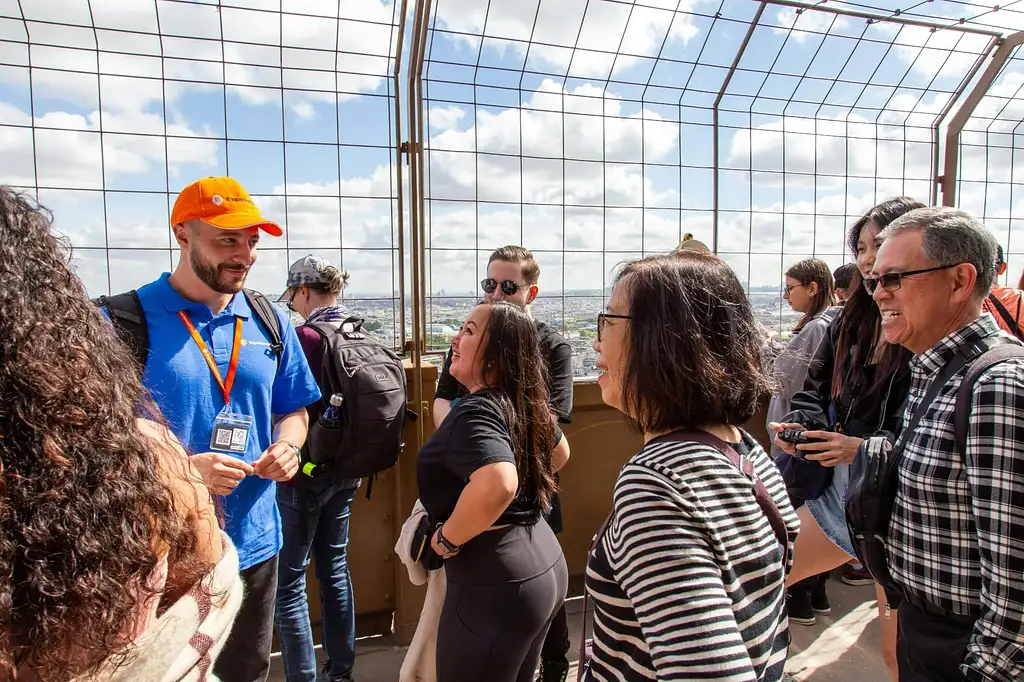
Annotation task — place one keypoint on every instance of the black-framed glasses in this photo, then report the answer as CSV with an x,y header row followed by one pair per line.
x,y
892,281
601,317
508,287
787,289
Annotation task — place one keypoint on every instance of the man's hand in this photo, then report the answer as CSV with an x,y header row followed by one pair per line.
x,y
221,473
279,462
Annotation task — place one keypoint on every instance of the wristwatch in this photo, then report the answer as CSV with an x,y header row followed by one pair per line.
x,y
448,550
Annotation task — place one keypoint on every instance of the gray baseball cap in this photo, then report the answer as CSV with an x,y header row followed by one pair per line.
x,y
308,270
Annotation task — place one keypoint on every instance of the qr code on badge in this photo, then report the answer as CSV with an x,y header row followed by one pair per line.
x,y
238,437
223,437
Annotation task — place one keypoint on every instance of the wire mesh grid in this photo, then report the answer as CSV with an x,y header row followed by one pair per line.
x,y
591,131
991,168
109,107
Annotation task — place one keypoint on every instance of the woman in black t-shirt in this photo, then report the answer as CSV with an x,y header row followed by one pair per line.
x,y
485,477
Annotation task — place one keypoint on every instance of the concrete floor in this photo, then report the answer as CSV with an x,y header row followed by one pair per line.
x,y
841,647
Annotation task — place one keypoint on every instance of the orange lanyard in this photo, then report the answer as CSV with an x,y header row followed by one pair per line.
x,y
225,385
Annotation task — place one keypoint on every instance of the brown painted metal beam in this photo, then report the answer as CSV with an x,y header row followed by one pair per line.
x,y
959,120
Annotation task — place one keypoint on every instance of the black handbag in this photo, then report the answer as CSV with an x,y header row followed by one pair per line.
x,y
805,479
422,552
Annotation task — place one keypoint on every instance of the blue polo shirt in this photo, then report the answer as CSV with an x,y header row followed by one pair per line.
x,y
190,397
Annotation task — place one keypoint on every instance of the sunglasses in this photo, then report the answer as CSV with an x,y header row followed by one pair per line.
x,y
892,281
508,287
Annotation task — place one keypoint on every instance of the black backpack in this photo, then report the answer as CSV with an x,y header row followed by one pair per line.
x,y
371,380
871,497
129,320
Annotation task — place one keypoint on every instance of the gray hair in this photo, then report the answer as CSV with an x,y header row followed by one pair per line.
x,y
951,236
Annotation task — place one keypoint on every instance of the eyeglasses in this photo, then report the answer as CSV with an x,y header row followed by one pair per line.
x,y
786,290
602,321
508,287
892,281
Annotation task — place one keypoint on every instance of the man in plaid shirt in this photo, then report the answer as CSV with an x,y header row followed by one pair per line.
x,y
956,539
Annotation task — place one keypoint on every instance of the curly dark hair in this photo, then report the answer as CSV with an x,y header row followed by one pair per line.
x,y
695,350
87,509
512,347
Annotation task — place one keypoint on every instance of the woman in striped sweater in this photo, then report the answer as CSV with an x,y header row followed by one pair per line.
x,y
688,578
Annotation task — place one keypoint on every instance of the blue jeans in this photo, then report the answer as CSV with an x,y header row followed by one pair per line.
x,y
316,517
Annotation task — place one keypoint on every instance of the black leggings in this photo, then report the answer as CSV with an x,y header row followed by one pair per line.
x,y
504,588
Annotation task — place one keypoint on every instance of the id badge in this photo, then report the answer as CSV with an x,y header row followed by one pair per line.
x,y
231,432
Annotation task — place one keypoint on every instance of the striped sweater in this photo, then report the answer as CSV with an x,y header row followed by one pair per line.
x,y
687,582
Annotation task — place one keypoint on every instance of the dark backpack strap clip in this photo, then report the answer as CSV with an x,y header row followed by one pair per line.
x,y
264,311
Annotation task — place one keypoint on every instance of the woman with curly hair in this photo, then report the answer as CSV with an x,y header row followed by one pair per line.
x,y
111,556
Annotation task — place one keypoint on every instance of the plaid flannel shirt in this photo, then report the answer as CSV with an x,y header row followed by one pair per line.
x,y
956,538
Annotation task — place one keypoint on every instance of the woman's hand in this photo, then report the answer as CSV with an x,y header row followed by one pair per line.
x,y
836,449
776,429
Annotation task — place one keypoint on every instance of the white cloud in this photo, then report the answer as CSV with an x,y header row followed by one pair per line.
x,y
445,117
362,34
73,158
304,110
806,23
587,206
596,29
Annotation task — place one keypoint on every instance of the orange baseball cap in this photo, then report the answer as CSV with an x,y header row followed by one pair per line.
x,y
221,202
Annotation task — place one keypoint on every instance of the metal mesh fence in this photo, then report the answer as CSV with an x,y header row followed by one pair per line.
x,y
108,108
590,131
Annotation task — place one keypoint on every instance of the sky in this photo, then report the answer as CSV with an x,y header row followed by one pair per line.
x,y
582,130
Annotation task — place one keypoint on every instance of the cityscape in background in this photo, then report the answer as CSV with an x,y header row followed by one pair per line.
x,y
573,314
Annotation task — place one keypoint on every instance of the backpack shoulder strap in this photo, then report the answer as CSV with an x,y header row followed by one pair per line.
x,y
264,311
1012,323
129,319
764,499
962,410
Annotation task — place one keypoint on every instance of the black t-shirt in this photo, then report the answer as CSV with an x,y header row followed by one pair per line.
x,y
473,435
559,356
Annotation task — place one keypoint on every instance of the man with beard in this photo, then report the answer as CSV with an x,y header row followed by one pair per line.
x,y
228,393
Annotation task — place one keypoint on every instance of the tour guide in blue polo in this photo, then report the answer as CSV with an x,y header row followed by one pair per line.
x,y
255,400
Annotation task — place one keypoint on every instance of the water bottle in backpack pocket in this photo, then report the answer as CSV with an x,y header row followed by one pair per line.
x,y
360,431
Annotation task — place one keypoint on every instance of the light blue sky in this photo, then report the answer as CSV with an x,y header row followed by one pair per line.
x,y
818,123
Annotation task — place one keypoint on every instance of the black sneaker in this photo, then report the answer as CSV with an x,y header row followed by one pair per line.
x,y
819,600
798,606
554,671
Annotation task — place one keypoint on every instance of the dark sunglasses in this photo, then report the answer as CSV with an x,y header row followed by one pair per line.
x,y
602,320
508,287
892,281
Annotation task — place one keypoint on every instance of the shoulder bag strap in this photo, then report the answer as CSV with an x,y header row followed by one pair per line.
x,y
1007,317
965,354
764,499
129,320
997,353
